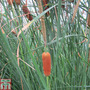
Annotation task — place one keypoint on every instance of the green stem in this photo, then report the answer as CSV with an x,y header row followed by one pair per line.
x,y
45,49
47,83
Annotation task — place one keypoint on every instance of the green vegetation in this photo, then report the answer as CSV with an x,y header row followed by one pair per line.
x,y
67,43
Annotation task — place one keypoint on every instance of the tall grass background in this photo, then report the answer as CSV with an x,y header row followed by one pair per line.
x,y
66,42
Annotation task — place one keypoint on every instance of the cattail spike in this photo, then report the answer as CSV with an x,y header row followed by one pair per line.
x,y
45,2
18,2
72,0
63,2
46,59
10,2
26,11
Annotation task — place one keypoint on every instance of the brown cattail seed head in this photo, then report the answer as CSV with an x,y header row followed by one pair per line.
x,y
46,59
88,18
63,2
26,11
45,2
10,2
18,2
48,11
72,0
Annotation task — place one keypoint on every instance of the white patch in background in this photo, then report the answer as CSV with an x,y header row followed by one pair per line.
x,y
1,9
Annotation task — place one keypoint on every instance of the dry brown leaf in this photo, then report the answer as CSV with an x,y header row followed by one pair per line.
x,y
56,13
21,83
18,52
2,30
25,27
13,31
26,63
88,18
75,10
89,45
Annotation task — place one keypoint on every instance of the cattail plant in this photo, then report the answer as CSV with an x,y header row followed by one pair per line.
x,y
46,59
45,2
88,18
26,11
18,2
10,2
